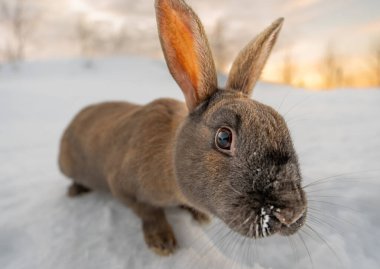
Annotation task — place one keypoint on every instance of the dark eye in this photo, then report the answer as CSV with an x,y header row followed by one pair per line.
x,y
223,138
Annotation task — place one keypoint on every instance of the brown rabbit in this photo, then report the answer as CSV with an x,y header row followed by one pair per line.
x,y
224,154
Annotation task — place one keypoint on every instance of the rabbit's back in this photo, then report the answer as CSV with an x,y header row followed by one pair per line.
x,y
111,141
86,138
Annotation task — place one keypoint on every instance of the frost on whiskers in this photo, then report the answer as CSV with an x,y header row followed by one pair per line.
x,y
264,220
263,228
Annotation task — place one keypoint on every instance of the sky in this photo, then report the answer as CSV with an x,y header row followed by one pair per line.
x,y
350,27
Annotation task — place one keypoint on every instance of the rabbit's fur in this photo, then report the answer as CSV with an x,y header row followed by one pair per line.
x,y
164,154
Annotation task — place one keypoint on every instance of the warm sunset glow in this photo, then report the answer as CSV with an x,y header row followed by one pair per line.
x,y
79,6
314,30
83,7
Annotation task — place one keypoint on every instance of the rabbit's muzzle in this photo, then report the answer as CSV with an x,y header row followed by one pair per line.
x,y
281,209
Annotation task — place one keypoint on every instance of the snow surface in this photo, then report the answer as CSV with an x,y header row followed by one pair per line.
x,y
336,133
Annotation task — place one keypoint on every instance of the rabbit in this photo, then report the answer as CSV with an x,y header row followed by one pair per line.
x,y
218,154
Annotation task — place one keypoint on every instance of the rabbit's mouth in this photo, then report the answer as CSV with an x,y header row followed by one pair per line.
x,y
284,221
289,229
269,220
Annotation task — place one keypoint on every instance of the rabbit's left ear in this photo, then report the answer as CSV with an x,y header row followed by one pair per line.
x,y
186,50
248,65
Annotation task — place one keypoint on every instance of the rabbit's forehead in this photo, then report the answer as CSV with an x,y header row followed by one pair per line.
x,y
258,126
249,112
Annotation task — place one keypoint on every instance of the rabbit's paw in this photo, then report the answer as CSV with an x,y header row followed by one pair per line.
x,y
76,189
198,216
159,237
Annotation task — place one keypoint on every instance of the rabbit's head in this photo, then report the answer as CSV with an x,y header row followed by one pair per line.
x,y
234,156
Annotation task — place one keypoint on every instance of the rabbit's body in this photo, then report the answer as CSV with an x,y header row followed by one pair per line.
x,y
110,146
224,154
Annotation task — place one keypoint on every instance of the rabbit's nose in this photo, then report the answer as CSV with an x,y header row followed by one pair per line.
x,y
288,216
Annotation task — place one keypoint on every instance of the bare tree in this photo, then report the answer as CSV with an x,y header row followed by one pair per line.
x,y
332,71
288,69
219,46
376,63
119,40
95,38
87,40
19,18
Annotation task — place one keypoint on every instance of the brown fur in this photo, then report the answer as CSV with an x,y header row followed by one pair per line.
x,y
160,154
115,146
248,65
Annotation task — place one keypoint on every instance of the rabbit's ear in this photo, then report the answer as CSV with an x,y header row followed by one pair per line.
x,y
186,50
248,65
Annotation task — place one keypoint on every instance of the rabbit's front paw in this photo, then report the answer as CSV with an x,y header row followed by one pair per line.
x,y
159,237
76,189
198,216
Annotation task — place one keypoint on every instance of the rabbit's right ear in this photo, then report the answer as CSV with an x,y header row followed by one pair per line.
x,y
186,50
248,65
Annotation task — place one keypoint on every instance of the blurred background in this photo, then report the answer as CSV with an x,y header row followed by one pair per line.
x,y
324,44
58,56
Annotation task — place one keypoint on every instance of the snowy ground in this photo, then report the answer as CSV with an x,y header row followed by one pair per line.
x,y
336,134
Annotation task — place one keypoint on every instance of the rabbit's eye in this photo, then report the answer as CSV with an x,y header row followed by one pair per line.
x,y
223,138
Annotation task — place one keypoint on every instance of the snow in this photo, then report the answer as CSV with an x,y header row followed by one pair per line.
x,y
336,134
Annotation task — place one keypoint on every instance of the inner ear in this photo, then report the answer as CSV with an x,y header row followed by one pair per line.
x,y
180,48
186,51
